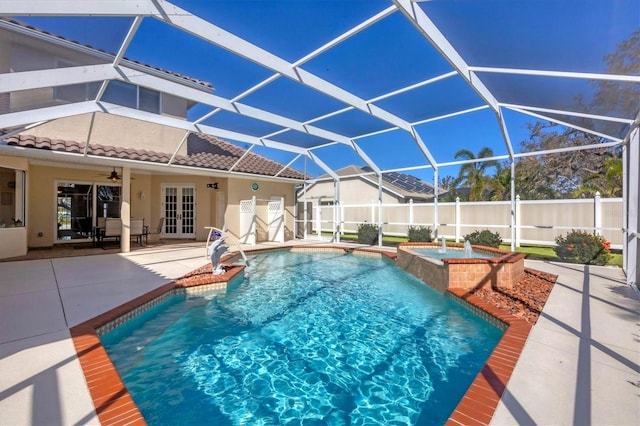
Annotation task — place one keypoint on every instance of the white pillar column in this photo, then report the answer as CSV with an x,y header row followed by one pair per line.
x,y
518,223
632,196
337,217
380,210
410,211
514,231
318,220
435,204
457,219
283,222
304,216
125,211
253,220
597,214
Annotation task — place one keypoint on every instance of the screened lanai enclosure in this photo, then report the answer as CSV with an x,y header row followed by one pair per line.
x,y
392,85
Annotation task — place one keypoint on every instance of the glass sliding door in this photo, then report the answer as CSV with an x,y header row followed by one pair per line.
x,y
12,196
79,207
74,211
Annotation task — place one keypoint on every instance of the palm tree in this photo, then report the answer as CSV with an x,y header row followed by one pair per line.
x,y
500,184
448,186
608,181
473,174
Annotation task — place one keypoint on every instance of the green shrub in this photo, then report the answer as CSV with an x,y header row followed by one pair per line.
x,y
419,234
367,233
484,238
583,247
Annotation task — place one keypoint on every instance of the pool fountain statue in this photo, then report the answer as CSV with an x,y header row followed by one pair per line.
x,y
216,247
215,252
467,249
443,248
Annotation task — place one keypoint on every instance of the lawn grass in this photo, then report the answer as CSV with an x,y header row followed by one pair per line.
x,y
532,252
548,253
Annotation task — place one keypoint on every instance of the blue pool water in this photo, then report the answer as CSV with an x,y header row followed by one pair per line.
x,y
435,253
325,337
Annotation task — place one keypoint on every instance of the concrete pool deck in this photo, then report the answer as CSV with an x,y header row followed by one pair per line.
x,y
580,364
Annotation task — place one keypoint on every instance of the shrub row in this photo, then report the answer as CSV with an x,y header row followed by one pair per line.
x,y
368,234
576,247
583,247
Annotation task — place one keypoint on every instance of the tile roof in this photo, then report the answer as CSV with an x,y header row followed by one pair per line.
x,y
404,184
203,151
408,184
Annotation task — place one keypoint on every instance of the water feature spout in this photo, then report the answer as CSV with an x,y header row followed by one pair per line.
x,y
214,252
467,249
443,248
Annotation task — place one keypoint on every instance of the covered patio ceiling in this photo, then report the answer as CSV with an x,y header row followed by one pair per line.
x,y
395,85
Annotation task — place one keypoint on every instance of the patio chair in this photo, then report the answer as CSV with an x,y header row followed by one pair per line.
x,y
154,231
137,229
112,229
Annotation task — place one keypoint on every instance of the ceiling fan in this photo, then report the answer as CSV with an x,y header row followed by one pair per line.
x,y
114,176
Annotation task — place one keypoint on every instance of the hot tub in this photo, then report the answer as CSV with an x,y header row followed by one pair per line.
x,y
454,270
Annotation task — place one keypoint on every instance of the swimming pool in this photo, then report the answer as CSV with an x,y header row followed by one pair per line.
x,y
330,337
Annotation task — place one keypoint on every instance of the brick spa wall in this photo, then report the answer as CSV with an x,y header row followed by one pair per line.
x,y
430,271
464,273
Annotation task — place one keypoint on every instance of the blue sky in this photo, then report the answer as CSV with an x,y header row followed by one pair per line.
x,y
542,34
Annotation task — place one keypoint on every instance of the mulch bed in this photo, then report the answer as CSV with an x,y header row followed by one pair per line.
x,y
526,299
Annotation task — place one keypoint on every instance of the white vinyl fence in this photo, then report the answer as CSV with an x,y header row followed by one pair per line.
x,y
536,222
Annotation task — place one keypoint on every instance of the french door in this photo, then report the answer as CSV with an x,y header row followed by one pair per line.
x,y
179,207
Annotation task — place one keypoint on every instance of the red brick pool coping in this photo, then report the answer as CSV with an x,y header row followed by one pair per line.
x,y
481,399
112,401
115,406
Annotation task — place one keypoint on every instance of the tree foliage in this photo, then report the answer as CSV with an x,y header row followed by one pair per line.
x,y
608,181
474,175
564,174
621,99
583,173
500,184
570,172
448,185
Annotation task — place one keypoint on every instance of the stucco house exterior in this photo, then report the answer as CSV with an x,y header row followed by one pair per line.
x,y
359,185
58,178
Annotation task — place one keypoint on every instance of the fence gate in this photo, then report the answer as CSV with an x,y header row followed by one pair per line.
x,y
275,220
248,221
